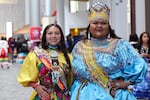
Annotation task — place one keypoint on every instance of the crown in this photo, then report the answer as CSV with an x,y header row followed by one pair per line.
x,y
97,11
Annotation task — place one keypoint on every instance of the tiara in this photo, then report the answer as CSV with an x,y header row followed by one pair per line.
x,y
97,11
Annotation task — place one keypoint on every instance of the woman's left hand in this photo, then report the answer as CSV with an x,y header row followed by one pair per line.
x,y
118,84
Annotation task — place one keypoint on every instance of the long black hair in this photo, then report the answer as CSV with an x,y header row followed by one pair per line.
x,y
112,33
61,45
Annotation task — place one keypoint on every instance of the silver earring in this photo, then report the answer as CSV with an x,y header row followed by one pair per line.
x,y
108,36
89,37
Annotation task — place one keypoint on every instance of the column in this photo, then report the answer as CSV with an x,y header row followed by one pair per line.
x,y
133,18
147,12
9,29
35,29
48,10
45,20
140,16
35,12
27,12
60,18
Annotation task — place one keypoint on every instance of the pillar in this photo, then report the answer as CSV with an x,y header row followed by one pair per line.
x,y
60,18
133,18
48,10
27,12
140,16
147,12
34,12
35,27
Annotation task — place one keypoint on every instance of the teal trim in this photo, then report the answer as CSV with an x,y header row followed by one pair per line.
x,y
37,97
40,66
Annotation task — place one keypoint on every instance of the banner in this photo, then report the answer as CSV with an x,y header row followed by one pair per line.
x,y
35,33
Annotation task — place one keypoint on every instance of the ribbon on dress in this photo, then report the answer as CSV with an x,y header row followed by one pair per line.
x,y
95,70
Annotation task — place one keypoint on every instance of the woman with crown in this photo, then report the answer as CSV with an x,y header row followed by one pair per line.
x,y
104,65
48,69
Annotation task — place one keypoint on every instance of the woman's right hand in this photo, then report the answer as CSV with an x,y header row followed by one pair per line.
x,y
42,92
144,55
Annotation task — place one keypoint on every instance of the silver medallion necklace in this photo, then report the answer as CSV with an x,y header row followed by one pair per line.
x,y
55,66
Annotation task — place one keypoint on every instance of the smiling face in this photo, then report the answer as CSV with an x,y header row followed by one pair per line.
x,y
99,28
145,38
53,35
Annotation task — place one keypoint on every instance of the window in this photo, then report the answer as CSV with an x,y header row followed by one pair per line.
x,y
78,5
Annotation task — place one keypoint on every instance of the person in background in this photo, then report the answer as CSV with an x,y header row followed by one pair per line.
x,y
103,64
72,40
69,42
13,45
48,70
133,40
4,58
22,49
22,46
144,45
9,46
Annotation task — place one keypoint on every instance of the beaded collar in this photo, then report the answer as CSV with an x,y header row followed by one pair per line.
x,y
100,42
52,47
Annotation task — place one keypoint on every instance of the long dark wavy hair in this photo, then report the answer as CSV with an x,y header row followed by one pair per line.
x,y
61,45
111,33
141,41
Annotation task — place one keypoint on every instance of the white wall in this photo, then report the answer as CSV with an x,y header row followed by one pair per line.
x,y
119,18
140,16
74,20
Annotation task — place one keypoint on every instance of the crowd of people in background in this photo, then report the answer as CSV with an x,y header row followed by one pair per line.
x,y
14,47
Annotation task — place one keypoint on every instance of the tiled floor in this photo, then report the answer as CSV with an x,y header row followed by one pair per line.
x,y
10,89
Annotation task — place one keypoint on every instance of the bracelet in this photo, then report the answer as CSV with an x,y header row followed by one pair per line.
x,y
127,82
34,85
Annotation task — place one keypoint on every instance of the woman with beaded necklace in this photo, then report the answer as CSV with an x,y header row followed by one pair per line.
x,y
103,64
48,70
143,46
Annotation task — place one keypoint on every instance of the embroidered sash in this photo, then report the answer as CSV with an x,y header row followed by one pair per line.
x,y
96,71
44,56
